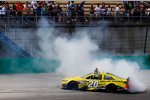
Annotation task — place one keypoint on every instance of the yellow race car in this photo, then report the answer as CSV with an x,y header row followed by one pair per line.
x,y
105,81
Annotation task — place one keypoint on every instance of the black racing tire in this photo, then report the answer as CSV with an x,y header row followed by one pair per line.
x,y
111,88
72,86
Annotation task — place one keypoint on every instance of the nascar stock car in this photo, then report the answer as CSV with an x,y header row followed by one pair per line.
x,y
105,81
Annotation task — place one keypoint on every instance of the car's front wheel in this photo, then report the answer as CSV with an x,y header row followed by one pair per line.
x,y
72,86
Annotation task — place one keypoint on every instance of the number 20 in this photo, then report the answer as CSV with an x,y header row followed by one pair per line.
x,y
93,84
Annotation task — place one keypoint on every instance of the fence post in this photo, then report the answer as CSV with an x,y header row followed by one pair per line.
x,y
64,17
7,14
14,34
128,16
49,18
140,16
145,43
31,49
22,16
5,28
36,16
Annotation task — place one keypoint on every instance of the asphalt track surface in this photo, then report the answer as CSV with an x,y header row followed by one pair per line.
x,y
47,87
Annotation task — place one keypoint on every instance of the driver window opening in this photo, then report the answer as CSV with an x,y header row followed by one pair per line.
x,y
94,77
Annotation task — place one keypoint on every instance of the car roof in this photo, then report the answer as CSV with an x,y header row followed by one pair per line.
x,y
103,73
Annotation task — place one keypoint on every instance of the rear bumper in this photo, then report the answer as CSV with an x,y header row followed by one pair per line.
x,y
122,89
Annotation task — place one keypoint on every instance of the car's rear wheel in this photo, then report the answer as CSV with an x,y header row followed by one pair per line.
x,y
111,88
72,86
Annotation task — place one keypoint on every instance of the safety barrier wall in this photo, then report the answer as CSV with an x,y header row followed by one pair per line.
x,y
111,40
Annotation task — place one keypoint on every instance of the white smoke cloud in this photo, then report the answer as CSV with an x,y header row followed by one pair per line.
x,y
135,85
46,39
76,57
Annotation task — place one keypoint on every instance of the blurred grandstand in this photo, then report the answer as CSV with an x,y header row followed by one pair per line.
x,y
18,19
78,11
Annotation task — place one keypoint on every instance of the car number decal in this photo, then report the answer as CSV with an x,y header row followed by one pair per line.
x,y
93,84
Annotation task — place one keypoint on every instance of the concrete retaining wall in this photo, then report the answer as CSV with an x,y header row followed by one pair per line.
x,y
114,40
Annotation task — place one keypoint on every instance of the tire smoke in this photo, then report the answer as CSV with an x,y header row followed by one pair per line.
x,y
77,56
136,85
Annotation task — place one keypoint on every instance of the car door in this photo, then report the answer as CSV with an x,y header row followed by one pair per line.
x,y
93,83
108,79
